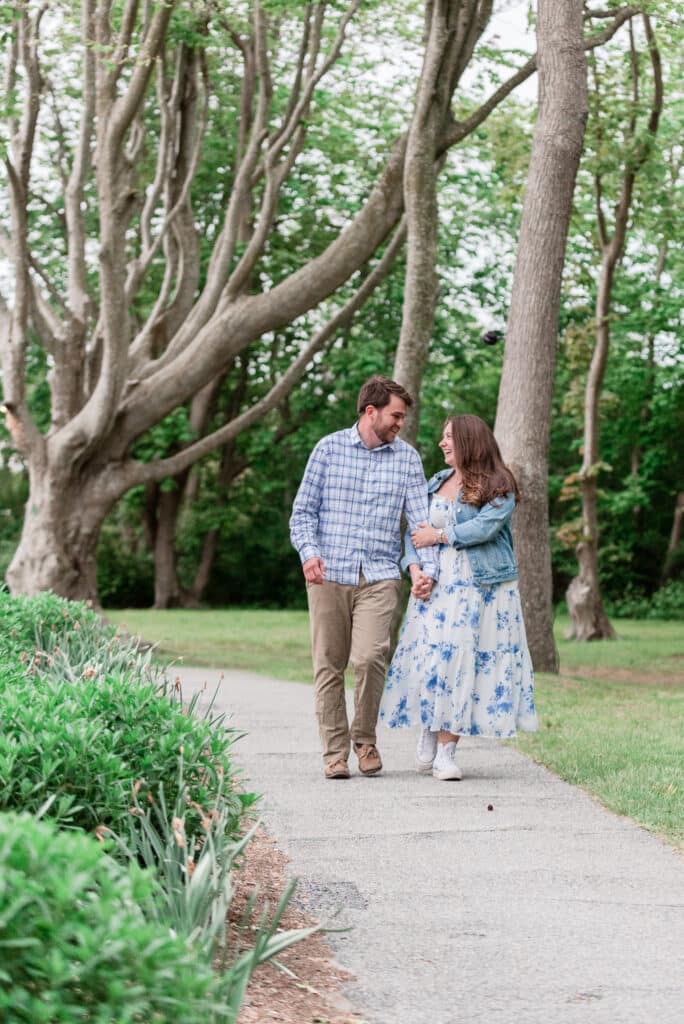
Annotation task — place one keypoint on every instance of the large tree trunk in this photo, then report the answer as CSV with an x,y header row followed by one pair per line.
x,y
64,514
524,408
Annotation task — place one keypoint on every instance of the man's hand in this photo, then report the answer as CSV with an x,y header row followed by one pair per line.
x,y
314,570
421,584
424,536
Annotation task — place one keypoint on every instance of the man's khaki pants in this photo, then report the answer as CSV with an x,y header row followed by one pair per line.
x,y
349,624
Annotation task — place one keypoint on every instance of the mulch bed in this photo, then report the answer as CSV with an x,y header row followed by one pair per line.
x,y
311,993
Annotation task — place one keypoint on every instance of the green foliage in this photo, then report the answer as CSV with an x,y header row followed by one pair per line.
x,y
196,888
91,718
94,738
667,603
125,568
24,621
76,945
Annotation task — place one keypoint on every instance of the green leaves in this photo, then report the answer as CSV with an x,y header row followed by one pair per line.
x,y
75,943
93,737
91,718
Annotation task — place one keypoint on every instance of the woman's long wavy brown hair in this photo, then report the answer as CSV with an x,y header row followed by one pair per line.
x,y
477,454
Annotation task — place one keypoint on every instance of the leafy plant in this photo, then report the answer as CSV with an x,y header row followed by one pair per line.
x,y
196,885
75,944
91,717
667,603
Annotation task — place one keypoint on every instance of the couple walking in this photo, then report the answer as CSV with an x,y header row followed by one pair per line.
x,y
461,666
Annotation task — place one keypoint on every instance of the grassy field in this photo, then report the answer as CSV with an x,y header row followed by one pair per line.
x,y
612,722
275,643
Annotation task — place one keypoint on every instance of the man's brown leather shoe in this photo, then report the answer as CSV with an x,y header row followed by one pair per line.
x,y
369,758
338,769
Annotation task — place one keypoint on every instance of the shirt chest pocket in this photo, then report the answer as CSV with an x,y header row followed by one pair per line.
x,y
389,493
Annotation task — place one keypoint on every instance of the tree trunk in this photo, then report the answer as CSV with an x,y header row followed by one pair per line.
x,y
589,620
452,31
675,537
58,541
193,597
585,605
167,591
524,408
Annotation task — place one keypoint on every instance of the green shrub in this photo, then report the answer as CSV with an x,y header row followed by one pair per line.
x,y
91,717
667,603
93,736
22,619
89,744
125,577
75,944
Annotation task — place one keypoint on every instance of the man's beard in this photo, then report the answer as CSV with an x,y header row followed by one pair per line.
x,y
385,434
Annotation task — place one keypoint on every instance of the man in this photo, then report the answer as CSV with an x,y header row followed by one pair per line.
x,y
346,526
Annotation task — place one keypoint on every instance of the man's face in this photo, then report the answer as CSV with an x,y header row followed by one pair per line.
x,y
388,421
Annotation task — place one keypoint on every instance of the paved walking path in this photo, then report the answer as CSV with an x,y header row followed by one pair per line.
x,y
545,910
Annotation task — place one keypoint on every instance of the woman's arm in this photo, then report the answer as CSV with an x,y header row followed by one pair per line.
x,y
482,527
478,530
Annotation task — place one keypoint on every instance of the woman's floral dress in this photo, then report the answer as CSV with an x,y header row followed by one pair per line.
x,y
462,662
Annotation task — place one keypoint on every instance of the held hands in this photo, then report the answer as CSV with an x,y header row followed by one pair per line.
x,y
314,570
424,536
421,584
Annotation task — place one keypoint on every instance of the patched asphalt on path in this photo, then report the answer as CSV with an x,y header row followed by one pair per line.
x,y
546,909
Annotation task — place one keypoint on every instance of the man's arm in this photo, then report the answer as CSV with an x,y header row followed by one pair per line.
x,y
417,511
305,512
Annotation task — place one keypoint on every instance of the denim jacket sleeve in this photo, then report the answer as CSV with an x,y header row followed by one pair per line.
x,y
417,510
483,526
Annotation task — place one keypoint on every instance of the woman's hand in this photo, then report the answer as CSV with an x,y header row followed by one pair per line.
x,y
421,584
424,536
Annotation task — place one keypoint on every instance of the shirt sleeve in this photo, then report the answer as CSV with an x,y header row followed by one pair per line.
x,y
418,511
307,503
482,527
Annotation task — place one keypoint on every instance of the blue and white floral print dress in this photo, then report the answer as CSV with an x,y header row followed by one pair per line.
x,y
462,662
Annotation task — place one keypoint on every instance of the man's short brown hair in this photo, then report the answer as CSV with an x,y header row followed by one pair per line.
x,y
378,391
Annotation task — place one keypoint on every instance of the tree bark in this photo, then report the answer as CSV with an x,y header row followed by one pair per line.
x,y
585,604
525,394
452,30
167,590
675,538
57,548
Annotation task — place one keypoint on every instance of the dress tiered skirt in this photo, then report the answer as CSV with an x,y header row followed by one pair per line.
x,y
462,662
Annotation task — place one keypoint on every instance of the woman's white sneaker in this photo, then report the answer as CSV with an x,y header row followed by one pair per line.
x,y
425,751
444,767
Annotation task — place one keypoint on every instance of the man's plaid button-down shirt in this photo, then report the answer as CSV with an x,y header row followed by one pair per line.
x,y
349,504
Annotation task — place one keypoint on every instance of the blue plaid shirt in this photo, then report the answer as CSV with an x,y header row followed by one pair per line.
x,y
348,508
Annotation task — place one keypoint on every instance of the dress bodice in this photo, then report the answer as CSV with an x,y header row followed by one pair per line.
x,y
439,512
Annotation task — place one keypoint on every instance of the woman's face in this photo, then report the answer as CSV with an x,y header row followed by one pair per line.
x,y
446,444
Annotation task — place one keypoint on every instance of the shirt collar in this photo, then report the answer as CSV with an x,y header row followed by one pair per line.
x,y
355,438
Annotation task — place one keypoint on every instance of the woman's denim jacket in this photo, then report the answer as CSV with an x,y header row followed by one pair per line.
x,y
484,532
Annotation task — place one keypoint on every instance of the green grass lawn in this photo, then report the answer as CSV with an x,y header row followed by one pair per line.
x,y
612,722
275,643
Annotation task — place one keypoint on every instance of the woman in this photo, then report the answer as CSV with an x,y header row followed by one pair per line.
x,y
462,666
